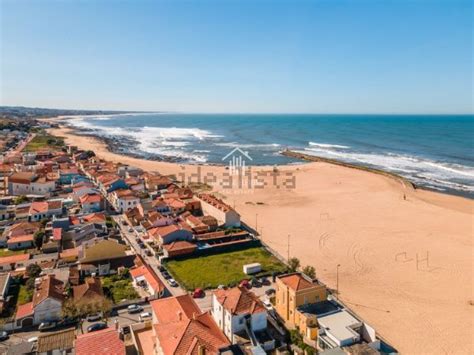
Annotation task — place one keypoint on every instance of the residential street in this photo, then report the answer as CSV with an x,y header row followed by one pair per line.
x,y
152,261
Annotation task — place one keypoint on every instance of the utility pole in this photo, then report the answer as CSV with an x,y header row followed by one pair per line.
x,y
337,281
288,250
256,223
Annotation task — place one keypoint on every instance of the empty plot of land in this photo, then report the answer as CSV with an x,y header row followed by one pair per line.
x,y
221,269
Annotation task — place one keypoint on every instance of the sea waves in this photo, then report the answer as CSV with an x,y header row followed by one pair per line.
x,y
423,171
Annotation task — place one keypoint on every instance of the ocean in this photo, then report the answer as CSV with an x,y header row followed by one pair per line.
x,y
435,152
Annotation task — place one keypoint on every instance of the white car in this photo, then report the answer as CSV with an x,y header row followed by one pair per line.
x,y
267,304
145,316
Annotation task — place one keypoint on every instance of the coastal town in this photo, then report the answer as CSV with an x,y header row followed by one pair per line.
x,y
99,257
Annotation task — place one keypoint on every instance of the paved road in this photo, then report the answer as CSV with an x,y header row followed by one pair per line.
x,y
152,261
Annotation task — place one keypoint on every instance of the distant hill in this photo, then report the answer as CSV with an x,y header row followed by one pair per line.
x,y
21,112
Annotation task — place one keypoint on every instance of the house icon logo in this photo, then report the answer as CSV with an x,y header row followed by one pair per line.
x,y
237,158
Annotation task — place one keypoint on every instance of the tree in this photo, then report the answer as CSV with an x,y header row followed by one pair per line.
x,y
80,309
293,264
309,271
33,271
20,199
39,237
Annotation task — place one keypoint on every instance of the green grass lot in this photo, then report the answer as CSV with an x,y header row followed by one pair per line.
x,y
6,252
24,295
119,288
44,141
221,269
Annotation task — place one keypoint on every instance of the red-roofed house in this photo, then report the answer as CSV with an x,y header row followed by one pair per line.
x,y
231,308
169,234
143,276
91,202
21,242
106,342
12,262
124,200
179,327
294,290
178,248
45,209
224,214
25,183
48,297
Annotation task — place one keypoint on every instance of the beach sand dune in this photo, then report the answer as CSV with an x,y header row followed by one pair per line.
x,y
405,255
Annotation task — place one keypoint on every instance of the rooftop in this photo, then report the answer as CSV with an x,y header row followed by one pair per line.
x,y
239,300
62,340
105,342
298,281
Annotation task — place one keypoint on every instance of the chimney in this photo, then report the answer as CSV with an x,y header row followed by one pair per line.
x,y
180,316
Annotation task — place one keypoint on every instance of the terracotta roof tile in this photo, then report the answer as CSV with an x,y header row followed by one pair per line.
x,y
239,300
296,282
24,310
50,287
105,342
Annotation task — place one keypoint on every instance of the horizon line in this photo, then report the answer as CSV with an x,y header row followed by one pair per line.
x,y
112,111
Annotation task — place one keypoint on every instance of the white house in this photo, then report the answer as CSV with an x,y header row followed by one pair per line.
x,y
25,183
221,211
48,297
236,310
123,200
45,209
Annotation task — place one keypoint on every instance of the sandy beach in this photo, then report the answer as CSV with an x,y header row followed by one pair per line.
x,y
405,255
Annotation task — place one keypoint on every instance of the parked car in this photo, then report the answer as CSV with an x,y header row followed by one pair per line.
x,y
221,287
145,316
67,322
94,317
44,326
255,283
130,230
268,305
172,282
134,308
141,245
32,340
166,275
148,252
96,326
270,291
3,335
265,281
198,293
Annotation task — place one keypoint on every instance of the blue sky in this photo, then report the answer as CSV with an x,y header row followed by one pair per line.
x,y
239,56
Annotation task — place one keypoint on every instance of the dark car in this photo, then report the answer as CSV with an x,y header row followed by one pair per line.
x,y
270,291
265,281
96,326
44,326
166,275
255,283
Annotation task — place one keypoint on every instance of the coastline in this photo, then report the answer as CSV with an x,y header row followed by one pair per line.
x,y
340,215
